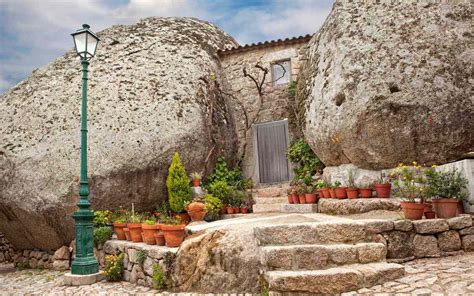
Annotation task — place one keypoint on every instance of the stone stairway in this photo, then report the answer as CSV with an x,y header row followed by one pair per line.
x,y
270,198
324,257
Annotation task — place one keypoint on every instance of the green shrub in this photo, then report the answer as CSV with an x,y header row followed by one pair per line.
x,y
221,190
141,256
306,161
233,177
213,206
158,277
102,218
179,191
102,234
113,269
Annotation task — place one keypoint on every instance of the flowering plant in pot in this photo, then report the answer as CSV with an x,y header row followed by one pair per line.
x,y
120,223
290,192
365,190
196,209
339,190
323,189
235,200
301,191
173,230
134,225
410,183
310,196
446,188
149,229
352,191
196,178
383,187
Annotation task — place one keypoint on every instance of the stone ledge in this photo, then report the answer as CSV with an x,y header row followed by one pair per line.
x,y
81,280
356,206
299,208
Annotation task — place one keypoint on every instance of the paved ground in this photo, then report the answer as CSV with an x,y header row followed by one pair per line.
x,y
438,276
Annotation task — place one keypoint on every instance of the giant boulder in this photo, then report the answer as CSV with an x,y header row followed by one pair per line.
x,y
153,90
388,82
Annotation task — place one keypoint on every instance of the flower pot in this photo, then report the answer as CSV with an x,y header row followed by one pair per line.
x,y
332,193
118,229
290,199
135,232
326,193
127,234
352,193
236,210
183,217
244,210
196,182
159,239
340,192
229,210
223,210
412,210
445,207
365,192
310,198
430,215
174,234
302,199
196,210
148,232
296,198
428,206
383,190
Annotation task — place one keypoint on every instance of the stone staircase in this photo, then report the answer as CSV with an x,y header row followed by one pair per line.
x,y
270,198
324,257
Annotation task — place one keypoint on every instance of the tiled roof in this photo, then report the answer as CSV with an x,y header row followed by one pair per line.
x,y
247,47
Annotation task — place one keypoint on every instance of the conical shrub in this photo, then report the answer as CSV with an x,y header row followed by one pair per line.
x,y
179,190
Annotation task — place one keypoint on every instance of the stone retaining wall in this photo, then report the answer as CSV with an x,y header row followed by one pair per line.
x,y
408,240
6,250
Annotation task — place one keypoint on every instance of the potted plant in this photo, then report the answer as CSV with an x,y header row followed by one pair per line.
x,y
196,210
213,206
179,192
135,227
323,189
120,223
310,196
301,190
332,191
173,231
365,190
196,178
149,229
410,183
446,188
290,191
339,190
127,234
352,191
383,187
222,191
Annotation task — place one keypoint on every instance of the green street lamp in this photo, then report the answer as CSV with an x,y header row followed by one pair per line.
x,y
85,263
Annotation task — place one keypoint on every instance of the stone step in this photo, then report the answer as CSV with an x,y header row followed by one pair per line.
x,y
308,257
271,200
334,280
272,191
299,208
332,232
266,208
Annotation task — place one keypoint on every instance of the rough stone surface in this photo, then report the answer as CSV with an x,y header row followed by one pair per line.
x,y
399,244
460,222
61,265
403,225
425,246
151,93
468,242
469,230
376,91
449,241
430,226
62,253
361,205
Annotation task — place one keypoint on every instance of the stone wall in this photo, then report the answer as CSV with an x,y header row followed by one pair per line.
x,y
6,250
408,240
242,94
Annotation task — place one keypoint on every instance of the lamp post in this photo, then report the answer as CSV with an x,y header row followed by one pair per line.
x,y
85,263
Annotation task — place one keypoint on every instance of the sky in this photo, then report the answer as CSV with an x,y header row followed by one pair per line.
x,y
35,32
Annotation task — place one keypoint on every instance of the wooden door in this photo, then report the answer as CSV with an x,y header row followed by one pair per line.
x,y
272,143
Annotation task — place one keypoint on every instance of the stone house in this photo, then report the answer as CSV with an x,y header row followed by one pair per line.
x,y
257,78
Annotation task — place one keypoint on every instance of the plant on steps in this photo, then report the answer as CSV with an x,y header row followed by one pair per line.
x,y
101,235
179,191
158,277
222,190
410,182
113,269
213,207
307,163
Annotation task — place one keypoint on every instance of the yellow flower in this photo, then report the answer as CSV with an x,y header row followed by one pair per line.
x,y
434,166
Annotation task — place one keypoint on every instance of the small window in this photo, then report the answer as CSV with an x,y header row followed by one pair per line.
x,y
281,72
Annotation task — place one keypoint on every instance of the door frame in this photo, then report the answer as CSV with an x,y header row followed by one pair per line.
x,y
255,126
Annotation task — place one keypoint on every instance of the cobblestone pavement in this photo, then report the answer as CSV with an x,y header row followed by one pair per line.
x,y
437,276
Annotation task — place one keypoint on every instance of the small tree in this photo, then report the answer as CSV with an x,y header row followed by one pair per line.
x,y
179,191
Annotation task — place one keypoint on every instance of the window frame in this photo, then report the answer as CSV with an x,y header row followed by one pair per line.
x,y
274,63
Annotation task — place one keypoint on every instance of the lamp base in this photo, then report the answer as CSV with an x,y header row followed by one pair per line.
x,y
80,280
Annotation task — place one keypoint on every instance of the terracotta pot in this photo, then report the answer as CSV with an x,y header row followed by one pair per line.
x,y
352,193
183,217
223,210
326,193
341,192
174,234
244,210
428,206
365,192
290,199
383,190
412,210
127,234
148,232
445,207
310,198
332,193
229,210
196,210
296,198
236,210
159,238
460,207
118,229
135,232
196,182
302,199
430,215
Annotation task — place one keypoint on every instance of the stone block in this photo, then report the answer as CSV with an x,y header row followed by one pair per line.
x,y
425,246
33,262
299,208
62,253
371,252
377,226
460,222
80,280
399,244
430,226
342,255
403,225
465,231
468,242
61,264
449,241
